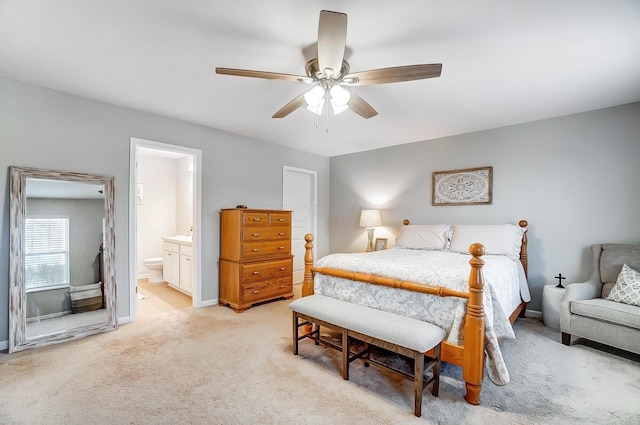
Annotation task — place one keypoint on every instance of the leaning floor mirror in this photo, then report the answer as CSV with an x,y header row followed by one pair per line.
x,y
62,277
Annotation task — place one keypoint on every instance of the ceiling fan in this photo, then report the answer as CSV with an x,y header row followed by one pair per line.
x,y
330,75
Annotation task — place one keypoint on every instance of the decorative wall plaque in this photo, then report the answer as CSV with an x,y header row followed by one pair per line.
x,y
471,186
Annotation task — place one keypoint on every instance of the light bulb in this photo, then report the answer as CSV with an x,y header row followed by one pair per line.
x,y
314,97
339,95
338,108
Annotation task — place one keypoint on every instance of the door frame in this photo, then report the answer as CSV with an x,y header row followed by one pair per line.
x,y
135,143
314,195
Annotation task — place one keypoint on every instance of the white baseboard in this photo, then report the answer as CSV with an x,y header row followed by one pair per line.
x,y
4,345
124,320
209,303
534,313
48,316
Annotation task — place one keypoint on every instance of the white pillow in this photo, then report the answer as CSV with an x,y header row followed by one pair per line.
x,y
498,239
424,236
627,287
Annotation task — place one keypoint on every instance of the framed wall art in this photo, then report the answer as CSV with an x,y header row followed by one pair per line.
x,y
381,243
470,186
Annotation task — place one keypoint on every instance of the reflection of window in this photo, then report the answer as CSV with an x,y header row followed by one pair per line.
x,y
47,252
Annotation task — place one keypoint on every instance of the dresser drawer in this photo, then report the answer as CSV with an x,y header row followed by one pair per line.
x,y
267,289
266,270
250,234
255,219
258,249
280,219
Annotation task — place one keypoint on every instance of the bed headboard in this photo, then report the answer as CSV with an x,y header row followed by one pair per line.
x,y
523,247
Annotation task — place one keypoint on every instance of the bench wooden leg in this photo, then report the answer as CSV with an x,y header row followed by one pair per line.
x,y
435,388
295,333
345,355
418,380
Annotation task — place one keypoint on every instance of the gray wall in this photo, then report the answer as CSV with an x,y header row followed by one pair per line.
x,y
48,129
574,178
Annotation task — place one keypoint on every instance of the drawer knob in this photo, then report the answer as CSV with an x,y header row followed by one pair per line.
x,y
281,234
281,286
255,235
280,247
256,273
257,291
283,269
257,219
255,249
281,219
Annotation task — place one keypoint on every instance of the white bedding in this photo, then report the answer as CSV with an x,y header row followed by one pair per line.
x,y
502,294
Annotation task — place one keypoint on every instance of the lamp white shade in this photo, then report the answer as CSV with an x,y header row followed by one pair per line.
x,y
370,218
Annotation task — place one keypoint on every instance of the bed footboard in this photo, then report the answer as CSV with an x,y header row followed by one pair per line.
x,y
471,356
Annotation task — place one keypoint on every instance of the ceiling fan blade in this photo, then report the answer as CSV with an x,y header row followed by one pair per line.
x,y
296,103
332,39
263,74
361,107
393,75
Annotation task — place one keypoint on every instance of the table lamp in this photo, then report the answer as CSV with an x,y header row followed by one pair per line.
x,y
370,219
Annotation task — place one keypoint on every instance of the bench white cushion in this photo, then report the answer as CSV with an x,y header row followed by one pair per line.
x,y
403,331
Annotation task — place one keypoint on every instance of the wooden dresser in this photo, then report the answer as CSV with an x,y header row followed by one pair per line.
x,y
256,263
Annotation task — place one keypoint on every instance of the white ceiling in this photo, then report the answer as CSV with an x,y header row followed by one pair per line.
x,y
504,61
43,188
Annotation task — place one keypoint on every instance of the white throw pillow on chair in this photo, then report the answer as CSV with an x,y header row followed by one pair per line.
x,y
627,287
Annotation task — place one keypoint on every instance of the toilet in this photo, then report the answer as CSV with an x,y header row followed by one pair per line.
x,y
154,265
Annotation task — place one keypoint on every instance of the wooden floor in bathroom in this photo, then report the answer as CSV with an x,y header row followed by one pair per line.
x,y
159,298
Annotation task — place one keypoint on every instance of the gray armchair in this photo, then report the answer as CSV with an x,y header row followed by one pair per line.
x,y
584,310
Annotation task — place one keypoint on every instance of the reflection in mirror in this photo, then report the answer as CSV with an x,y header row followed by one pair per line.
x,y
62,280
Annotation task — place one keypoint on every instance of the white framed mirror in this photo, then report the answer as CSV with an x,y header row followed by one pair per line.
x,y
62,241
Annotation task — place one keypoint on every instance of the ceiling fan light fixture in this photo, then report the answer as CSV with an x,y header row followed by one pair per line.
x,y
316,109
314,97
338,108
339,95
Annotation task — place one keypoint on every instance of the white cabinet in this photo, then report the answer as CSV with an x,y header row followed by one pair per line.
x,y
171,263
186,268
178,266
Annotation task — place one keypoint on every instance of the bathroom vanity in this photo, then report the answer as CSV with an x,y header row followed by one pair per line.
x,y
177,265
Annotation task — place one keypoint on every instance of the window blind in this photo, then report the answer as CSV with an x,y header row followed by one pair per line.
x,y
47,252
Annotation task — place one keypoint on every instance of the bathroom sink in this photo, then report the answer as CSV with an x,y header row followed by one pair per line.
x,y
178,238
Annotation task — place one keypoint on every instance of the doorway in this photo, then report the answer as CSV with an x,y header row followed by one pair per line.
x,y
165,219
299,194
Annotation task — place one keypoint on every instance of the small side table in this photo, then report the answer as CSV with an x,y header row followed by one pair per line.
x,y
551,297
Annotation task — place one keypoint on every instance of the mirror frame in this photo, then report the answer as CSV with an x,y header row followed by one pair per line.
x,y
17,291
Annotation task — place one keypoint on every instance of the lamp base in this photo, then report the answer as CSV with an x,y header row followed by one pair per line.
x,y
370,231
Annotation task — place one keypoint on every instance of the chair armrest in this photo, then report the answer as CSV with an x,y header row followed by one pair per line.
x,y
577,291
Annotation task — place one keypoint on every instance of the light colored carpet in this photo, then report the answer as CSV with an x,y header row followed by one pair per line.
x,y
213,366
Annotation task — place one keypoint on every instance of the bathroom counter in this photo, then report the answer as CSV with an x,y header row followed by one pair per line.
x,y
182,240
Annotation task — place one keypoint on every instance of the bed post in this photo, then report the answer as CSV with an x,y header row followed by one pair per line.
x,y
523,247
307,283
473,362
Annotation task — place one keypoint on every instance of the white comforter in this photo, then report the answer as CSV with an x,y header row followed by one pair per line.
x,y
432,268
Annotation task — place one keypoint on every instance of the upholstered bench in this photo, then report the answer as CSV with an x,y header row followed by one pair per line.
x,y
403,335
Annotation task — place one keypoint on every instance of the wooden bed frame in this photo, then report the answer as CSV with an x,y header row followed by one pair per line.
x,y
469,356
